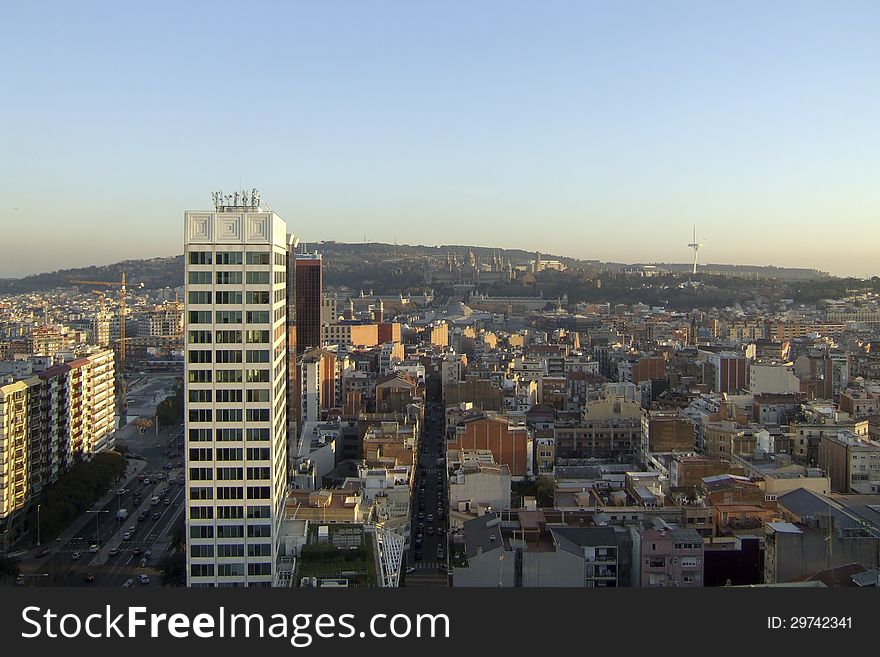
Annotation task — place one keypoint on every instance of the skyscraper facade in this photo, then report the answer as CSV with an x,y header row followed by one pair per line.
x,y
235,392
309,296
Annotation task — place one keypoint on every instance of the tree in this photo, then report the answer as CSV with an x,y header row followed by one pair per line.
x,y
170,411
545,491
142,424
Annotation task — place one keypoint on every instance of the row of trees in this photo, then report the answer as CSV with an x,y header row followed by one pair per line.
x,y
170,411
77,490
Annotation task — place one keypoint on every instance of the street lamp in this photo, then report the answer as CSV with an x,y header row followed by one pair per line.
x,y
38,523
96,512
23,575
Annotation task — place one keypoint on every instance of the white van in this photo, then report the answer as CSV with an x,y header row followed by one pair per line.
x,y
154,500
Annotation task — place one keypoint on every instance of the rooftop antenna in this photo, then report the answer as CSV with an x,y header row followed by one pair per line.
x,y
696,246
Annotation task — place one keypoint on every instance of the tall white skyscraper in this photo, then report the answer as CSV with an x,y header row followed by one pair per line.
x,y
235,392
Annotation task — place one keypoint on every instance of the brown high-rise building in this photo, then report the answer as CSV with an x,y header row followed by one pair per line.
x,y
308,301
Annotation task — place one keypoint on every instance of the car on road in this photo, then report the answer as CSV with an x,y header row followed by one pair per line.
x,y
143,515
94,547
157,515
126,536
429,531
441,553
76,555
144,579
421,516
418,542
167,501
113,552
136,551
122,491
45,552
89,577
154,500
430,518
160,476
146,482
128,583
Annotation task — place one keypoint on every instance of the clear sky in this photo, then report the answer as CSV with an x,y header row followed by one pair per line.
x,y
593,129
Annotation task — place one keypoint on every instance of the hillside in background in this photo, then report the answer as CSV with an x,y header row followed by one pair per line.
x,y
391,269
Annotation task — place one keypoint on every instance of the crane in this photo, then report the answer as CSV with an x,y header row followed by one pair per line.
x,y
121,284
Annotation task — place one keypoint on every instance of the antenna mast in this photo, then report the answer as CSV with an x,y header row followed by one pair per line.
x,y
696,246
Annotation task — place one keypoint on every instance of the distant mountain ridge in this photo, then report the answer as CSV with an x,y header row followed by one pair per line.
x,y
344,259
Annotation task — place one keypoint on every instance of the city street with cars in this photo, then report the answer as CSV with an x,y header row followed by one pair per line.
x,y
427,557
125,536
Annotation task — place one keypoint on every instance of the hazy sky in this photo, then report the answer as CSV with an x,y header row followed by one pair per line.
x,y
590,129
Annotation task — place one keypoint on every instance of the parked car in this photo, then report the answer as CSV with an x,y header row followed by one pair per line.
x,y
89,577
144,579
94,547
113,552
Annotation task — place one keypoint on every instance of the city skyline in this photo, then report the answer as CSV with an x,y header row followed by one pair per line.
x,y
618,128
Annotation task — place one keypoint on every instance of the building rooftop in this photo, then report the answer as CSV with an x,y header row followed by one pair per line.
x,y
574,539
483,534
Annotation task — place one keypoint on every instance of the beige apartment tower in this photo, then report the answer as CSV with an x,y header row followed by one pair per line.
x,y
235,392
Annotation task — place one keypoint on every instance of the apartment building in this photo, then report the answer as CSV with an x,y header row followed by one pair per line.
x,y
669,557
48,421
852,462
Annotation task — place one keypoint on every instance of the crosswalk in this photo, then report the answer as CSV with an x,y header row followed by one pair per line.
x,y
427,565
